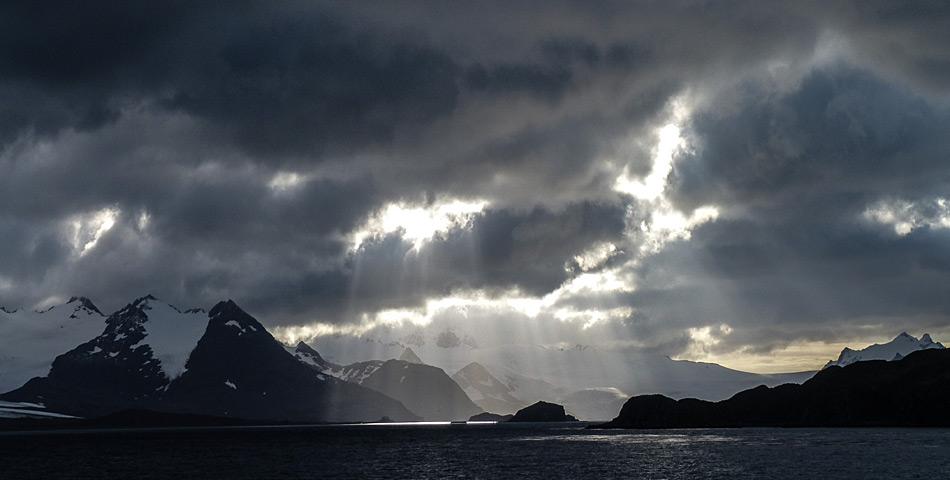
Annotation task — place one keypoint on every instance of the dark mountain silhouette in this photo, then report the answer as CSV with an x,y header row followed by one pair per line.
x,y
234,369
542,412
239,370
426,390
913,392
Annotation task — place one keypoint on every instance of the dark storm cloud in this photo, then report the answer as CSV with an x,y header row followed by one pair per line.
x,y
843,137
185,114
503,250
796,172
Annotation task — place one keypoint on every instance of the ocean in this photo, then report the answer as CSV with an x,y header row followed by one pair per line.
x,y
546,451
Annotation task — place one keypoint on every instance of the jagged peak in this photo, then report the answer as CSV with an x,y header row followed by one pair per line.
x,y
905,335
409,356
225,307
84,302
229,314
925,339
147,298
474,367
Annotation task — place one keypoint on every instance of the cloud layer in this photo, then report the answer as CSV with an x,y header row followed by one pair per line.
x,y
642,174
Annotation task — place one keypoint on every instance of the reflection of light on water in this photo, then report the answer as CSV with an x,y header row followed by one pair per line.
x,y
416,424
631,438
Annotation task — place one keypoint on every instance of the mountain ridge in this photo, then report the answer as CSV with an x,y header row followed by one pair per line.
x,y
236,369
896,349
910,392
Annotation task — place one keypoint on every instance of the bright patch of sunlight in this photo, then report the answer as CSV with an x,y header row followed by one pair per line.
x,y
590,317
595,256
667,224
797,356
905,217
704,339
88,228
285,181
653,185
657,221
418,224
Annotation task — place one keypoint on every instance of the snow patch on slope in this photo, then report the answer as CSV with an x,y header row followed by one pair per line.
x,y
172,335
27,410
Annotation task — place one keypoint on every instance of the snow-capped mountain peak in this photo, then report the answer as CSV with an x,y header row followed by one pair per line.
x,y
83,305
152,332
32,340
898,348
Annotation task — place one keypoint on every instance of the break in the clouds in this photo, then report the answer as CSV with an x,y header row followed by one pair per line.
x,y
704,180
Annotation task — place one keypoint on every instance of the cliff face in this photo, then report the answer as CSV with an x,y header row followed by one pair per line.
x,y
914,391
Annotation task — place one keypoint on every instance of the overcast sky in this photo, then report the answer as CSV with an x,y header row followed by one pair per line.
x,y
756,183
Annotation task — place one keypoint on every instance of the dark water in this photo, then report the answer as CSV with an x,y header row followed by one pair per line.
x,y
477,452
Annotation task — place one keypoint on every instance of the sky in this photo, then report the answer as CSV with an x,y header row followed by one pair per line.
x,y
752,183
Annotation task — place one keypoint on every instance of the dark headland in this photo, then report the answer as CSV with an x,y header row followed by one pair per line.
x,y
912,392
542,412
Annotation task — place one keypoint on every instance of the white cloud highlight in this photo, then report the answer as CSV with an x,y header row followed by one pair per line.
x,y
416,223
905,217
88,228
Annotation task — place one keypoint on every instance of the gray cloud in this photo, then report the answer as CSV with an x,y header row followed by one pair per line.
x,y
177,118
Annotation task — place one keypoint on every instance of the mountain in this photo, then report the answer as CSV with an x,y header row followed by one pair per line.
x,y
239,370
896,349
486,391
307,355
547,372
355,372
143,348
409,356
911,392
425,390
31,340
152,356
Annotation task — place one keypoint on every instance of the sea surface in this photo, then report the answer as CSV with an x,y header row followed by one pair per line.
x,y
475,451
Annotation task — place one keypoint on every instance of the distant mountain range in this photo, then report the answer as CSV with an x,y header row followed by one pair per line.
x,y
71,359
896,349
544,372
912,391
426,390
